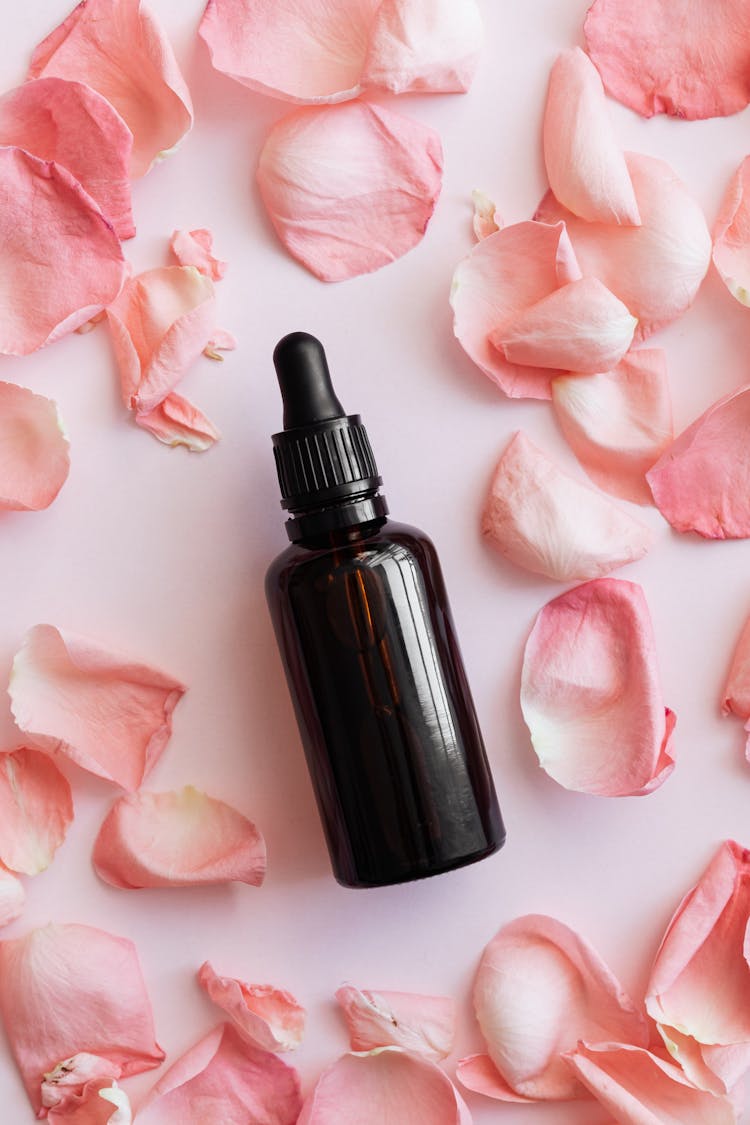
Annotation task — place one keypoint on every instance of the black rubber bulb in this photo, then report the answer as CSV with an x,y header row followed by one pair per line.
x,y
305,381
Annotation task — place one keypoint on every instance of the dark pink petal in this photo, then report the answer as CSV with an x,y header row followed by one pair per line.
x,y
36,808
349,188
486,220
101,1102
195,248
224,1080
424,1024
69,989
736,700
479,1073
119,48
110,715
67,1080
732,236
424,46
266,1017
176,421
34,459
12,897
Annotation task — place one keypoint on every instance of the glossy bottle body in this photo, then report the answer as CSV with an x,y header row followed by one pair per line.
x,y
383,705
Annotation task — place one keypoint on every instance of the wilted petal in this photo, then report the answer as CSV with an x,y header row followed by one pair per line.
x,y
34,460
36,808
223,1079
618,422
504,274
176,421
424,46
69,1077
195,248
111,716
350,188
100,1102
12,897
268,1018
590,692
736,699
547,522
65,989
119,48
424,1024
732,236
656,269
585,167
486,220
539,989
479,1073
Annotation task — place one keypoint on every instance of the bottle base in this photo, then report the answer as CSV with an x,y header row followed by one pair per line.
x,y
414,874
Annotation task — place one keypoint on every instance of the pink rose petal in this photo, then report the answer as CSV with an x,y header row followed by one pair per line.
x,y
732,236
182,839
349,188
224,1080
479,1073
34,459
736,700
585,167
539,989
545,521
266,1017
486,220
221,340
176,421
383,1086
111,716
690,60
68,1079
590,692
195,248
423,1024
655,269
65,989
36,808
100,1102
424,46
118,48
12,897
618,422
702,481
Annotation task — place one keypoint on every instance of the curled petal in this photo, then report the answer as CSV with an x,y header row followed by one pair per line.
x,y
70,1076
34,459
732,236
479,1073
545,521
12,897
539,989
655,269
195,248
424,46
176,421
177,840
223,1079
36,808
350,188
424,1024
585,167
100,1102
736,699
111,716
268,1018
486,220
118,48
70,988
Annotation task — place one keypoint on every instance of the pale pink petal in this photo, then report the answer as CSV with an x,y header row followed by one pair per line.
x,y
732,236
696,1061
641,1089
36,808
268,1018
303,51
65,989
176,421
221,340
388,1084
34,459
618,422
702,481
547,522
690,60
195,248
62,260
585,167
504,274
424,1024
424,46
479,1073
655,269
538,990
349,188
736,700
223,1079
12,897
486,220
68,1079
590,692
100,1102
111,716
119,48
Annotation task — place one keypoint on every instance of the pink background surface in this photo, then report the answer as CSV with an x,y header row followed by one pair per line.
x,y
162,554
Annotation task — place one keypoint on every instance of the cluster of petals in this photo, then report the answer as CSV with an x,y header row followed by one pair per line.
x,y
422,1024
266,1017
36,808
34,450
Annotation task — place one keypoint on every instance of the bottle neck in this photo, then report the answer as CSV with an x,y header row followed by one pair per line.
x,y
341,516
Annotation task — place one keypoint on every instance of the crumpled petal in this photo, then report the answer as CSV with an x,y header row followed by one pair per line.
x,y
74,988
423,1024
349,188
34,458
736,699
579,327
618,422
100,1102
690,60
702,481
68,1079
486,220
547,522
388,1084
36,808
119,48
655,269
732,235
176,421
12,897
195,248
424,46
266,1017
538,990
224,1079
111,716
590,692
182,839
504,274
585,167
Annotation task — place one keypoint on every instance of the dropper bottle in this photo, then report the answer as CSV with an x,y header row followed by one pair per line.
x,y
368,644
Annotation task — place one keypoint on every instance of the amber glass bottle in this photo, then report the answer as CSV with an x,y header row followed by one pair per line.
x,y
369,648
